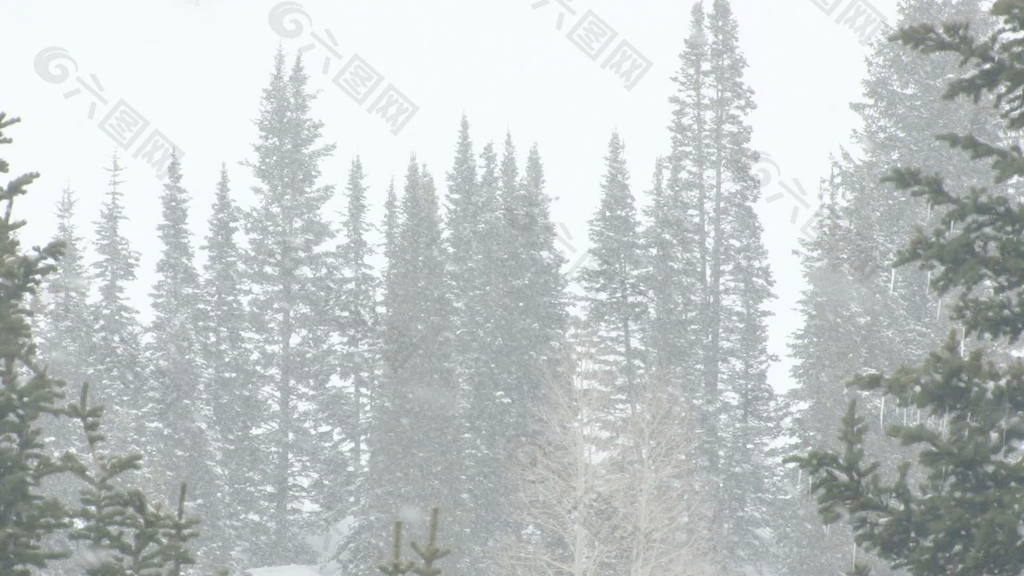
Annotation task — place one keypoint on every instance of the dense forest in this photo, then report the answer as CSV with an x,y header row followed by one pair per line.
x,y
309,378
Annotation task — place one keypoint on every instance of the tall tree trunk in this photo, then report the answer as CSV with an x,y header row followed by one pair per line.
x,y
284,406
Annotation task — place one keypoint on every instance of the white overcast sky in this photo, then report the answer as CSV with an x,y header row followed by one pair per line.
x,y
195,71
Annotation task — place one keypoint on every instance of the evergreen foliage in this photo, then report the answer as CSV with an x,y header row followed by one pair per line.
x,y
955,506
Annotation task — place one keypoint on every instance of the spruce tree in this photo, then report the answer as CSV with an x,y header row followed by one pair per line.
x,y
822,347
647,477
128,537
688,185
615,298
534,318
473,275
228,379
860,312
954,506
676,237
63,327
178,531
391,227
285,266
740,285
124,533
171,347
183,449
896,316
27,517
709,178
347,405
117,373
672,286
359,310
414,428
65,340
357,550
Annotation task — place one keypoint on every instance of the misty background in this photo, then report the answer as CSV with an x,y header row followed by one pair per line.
x,y
195,69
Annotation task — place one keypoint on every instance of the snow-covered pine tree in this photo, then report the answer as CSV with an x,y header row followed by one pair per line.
x,y
288,297
128,537
473,268
414,434
358,548
228,382
64,340
740,286
673,283
359,306
859,312
897,316
123,532
28,518
346,405
615,298
116,373
178,531
688,185
63,323
710,173
391,227
466,275
673,286
182,451
829,349
533,318
676,236
652,478
647,479
953,505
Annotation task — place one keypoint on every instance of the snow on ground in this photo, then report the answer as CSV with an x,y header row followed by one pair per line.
x,y
285,571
